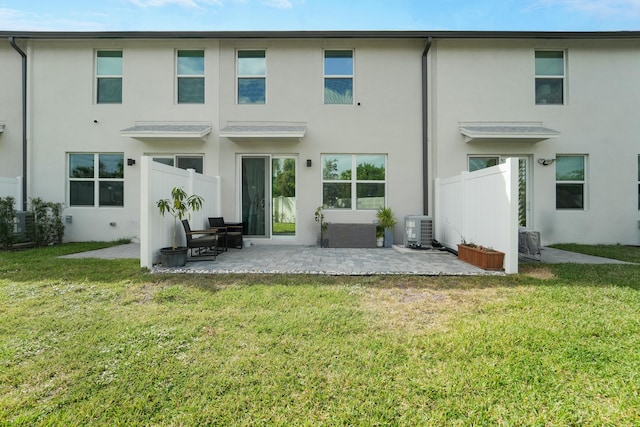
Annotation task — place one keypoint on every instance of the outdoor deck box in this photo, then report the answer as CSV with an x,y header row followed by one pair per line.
x,y
351,235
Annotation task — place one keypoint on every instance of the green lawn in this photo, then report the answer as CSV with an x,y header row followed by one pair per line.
x,y
284,228
99,342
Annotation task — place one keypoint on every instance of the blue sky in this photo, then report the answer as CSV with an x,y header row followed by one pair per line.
x,y
243,15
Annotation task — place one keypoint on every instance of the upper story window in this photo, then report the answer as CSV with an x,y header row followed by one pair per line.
x,y
109,77
570,182
190,73
550,75
349,177
338,76
96,179
252,76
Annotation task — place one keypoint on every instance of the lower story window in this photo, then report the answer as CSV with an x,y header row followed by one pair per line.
x,y
482,162
182,161
570,182
639,182
96,179
353,181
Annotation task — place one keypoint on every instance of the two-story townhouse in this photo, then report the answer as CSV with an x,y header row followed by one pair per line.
x,y
349,120
565,104
289,121
11,114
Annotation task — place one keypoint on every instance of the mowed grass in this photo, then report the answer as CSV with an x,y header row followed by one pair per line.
x,y
100,342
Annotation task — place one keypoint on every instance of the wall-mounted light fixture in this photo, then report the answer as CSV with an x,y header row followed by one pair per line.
x,y
546,162
308,163
131,162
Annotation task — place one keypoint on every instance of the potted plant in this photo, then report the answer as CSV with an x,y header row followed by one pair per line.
x,y
179,206
480,256
379,235
319,218
387,222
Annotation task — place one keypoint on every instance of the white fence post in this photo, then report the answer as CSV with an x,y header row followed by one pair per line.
x,y
146,245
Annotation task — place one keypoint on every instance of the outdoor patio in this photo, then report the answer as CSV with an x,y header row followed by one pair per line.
x,y
291,259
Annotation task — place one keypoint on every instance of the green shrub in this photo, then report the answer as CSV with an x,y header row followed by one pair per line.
x,y
48,226
7,222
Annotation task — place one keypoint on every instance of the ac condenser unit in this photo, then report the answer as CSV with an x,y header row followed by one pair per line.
x,y
418,231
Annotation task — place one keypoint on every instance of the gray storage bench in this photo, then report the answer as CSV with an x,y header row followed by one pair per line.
x,y
351,235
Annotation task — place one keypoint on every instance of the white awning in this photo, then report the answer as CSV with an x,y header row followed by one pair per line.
x,y
514,132
248,132
167,131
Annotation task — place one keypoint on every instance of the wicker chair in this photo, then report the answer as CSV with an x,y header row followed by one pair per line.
x,y
206,245
230,232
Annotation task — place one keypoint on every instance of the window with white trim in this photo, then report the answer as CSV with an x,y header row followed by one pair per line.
x,y
354,177
190,76
570,181
109,76
96,179
338,76
549,76
482,162
182,161
251,71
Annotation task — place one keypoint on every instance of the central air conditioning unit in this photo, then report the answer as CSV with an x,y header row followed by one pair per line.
x,y
418,231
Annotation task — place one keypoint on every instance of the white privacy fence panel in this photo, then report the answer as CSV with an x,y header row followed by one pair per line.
x,y
12,187
157,180
284,209
480,207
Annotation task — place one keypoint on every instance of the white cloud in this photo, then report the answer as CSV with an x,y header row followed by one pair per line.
x,y
608,8
13,19
194,4
278,4
197,4
17,20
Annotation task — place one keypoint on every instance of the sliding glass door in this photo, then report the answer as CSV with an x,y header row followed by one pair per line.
x,y
269,205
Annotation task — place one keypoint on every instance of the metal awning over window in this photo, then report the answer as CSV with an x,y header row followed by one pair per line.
x,y
167,131
506,132
264,131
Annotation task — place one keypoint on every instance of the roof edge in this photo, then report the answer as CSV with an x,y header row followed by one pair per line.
x,y
388,34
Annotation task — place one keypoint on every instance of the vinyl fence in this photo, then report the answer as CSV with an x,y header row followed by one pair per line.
x,y
480,207
157,180
12,187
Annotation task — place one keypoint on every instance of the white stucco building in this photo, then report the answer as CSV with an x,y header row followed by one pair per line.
x,y
290,121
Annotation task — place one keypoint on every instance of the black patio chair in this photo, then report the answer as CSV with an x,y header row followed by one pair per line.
x,y
205,245
230,232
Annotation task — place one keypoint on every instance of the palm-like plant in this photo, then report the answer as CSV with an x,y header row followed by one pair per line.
x,y
179,207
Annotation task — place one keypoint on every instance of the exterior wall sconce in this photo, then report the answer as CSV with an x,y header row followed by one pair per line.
x,y
131,162
546,162
308,163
